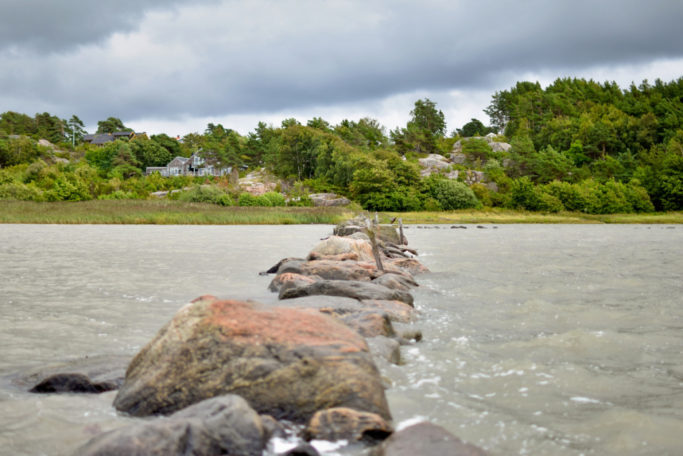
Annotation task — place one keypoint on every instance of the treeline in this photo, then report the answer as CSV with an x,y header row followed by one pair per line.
x,y
576,145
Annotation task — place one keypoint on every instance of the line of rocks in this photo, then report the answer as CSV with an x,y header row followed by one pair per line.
x,y
235,377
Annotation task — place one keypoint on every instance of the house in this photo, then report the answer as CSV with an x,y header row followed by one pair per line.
x,y
104,138
193,166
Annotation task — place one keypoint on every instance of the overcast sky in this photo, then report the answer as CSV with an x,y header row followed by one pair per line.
x,y
173,66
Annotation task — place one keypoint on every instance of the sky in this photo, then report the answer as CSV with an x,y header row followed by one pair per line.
x,y
173,66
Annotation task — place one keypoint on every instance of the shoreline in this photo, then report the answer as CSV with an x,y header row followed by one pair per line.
x,y
167,212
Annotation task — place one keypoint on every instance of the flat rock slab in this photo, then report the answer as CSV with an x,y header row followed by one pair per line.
x,y
287,363
347,288
221,425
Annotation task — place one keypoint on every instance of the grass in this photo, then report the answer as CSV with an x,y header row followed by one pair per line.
x,y
163,212
495,215
167,212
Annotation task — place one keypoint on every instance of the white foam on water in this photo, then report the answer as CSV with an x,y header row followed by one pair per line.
x,y
410,422
584,400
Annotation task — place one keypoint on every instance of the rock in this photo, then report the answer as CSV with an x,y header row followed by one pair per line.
x,y
328,199
433,163
335,270
361,236
500,146
410,265
458,158
426,439
342,423
389,233
221,425
347,288
287,363
385,348
101,369
341,257
395,281
396,310
72,383
276,268
335,245
347,230
369,323
302,449
290,279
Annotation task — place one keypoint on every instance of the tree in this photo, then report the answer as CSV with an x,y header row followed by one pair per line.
x,y
426,126
111,125
76,129
474,128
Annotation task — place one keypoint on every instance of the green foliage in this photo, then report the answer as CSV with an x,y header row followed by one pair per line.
x,y
20,192
206,194
474,128
426,126
111,125
451,195
247,200
276,199
476,149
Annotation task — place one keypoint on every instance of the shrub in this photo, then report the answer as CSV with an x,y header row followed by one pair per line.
x,y
21,192
247,199
276,199
568,194
524,195
206,194
482,193
452,195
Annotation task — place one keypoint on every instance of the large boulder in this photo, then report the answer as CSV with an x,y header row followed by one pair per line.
x,y
287,363
220,425
426,439
347,288
433,163
333,270
396,310
410,265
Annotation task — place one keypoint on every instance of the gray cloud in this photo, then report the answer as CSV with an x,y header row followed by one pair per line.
x,y
217,59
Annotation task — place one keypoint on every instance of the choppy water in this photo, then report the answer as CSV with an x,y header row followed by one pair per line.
x,y
538,339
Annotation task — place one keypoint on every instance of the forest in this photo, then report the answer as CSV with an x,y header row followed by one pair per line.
x,y
576,145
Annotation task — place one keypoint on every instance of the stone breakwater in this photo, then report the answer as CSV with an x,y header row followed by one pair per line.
x,y
234,377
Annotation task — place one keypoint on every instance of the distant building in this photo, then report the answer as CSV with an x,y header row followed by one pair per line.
x,y
103,138
193,166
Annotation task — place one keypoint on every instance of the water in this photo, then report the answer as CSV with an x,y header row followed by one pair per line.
x,y
558,340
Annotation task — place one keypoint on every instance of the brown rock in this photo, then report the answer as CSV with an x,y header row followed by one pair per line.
x,y
396,310
335,245
282,279
369,324
287,363
410,265
340,257
342,423
395,281
426,439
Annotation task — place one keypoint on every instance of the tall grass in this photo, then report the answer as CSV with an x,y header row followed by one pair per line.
x,y
168,212
164,212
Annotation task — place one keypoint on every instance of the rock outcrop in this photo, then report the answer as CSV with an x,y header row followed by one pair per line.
x,y
328,199
287,363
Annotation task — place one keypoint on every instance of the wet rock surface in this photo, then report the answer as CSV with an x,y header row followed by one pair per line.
x,y
72,383
347,288
220,425
426,439
347,424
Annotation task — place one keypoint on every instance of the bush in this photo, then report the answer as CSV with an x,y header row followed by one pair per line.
x,y
524,195
482,193
276,199
20,192
247,199
206,194
452,195
568,194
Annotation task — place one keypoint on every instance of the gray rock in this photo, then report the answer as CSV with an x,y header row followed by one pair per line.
x,y
220,425
328,199
395,281
370,323
426,439
347,288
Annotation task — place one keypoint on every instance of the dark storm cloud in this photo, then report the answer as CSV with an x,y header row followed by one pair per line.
x,y
232,57
55,25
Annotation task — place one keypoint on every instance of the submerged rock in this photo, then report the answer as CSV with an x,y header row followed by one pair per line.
x,y
72,383
220,425
287,363
426,439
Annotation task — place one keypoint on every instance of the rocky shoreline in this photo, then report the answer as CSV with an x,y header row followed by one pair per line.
x,y
245,378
